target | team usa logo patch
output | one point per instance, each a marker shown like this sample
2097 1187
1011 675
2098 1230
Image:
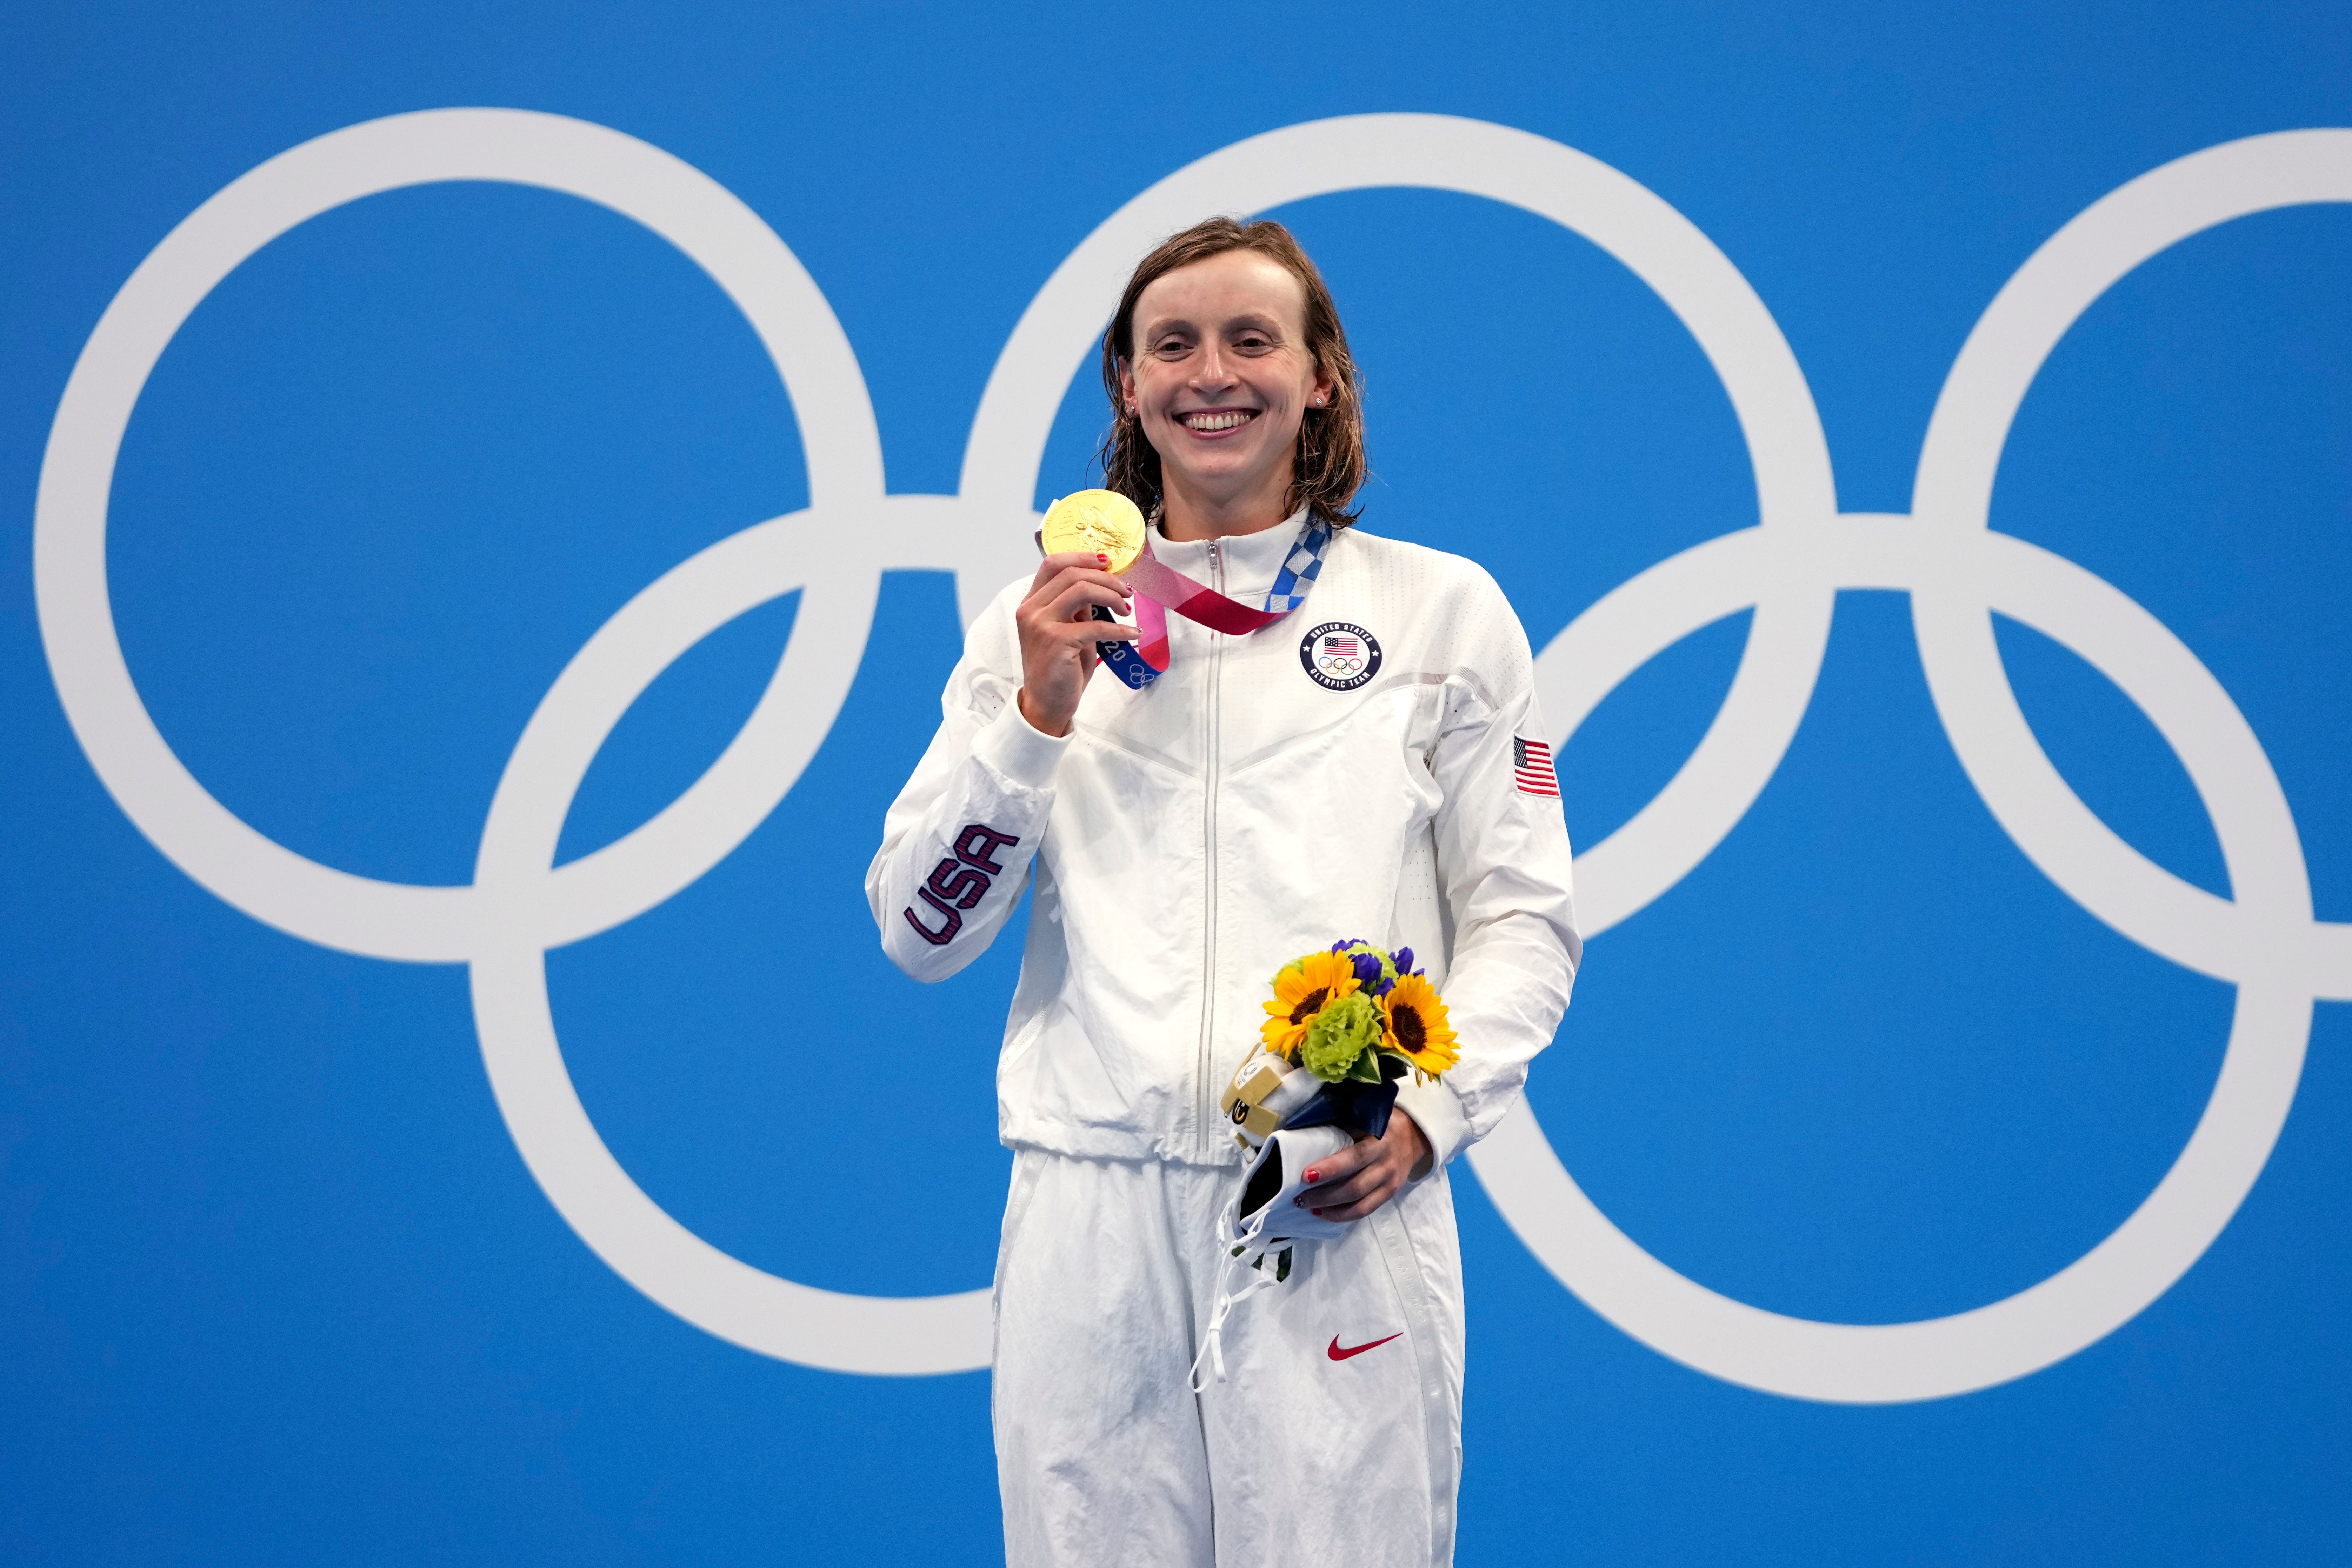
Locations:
1531 768
1339 655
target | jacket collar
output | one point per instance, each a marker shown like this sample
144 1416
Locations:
1252 560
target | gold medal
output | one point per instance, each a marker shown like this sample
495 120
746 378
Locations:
1100 522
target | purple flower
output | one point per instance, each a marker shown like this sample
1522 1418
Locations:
1369 975
1402 959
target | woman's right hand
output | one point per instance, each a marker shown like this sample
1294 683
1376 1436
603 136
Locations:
1058 633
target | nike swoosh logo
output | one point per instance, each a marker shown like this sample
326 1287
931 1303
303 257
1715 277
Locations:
1336 1354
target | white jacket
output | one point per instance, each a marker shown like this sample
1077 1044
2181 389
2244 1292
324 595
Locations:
1187 840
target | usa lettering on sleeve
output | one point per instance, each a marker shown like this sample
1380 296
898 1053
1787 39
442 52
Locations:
960 881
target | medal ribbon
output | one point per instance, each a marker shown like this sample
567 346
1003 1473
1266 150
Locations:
1160 588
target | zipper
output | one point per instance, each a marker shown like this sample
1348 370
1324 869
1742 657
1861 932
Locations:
1213 764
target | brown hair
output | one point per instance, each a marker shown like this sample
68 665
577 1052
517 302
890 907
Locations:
1328 465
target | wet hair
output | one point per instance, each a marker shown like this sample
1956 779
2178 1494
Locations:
1327 466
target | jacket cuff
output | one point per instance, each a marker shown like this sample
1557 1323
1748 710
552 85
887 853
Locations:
1436 1109
1020 751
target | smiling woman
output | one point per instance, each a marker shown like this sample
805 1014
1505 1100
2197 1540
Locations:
1243 359
1260 794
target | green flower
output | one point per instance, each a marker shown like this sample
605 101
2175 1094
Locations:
1341 1040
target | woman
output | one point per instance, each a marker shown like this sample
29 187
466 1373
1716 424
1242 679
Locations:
1360 768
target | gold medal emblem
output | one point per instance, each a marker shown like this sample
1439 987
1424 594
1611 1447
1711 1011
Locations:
1100 523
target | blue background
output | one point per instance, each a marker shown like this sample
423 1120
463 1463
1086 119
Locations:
274 1285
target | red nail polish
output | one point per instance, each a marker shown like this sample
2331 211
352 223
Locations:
1310 1176
1101 557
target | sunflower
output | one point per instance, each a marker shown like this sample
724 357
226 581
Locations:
1302 990
1417 1027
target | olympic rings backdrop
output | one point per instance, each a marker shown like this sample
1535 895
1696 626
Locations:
496 492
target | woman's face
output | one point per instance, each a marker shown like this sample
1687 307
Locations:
1221 378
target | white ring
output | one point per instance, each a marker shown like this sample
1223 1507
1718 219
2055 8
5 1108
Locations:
1665 250
676 201
2098 1292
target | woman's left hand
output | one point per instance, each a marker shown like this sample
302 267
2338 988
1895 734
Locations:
1354 1182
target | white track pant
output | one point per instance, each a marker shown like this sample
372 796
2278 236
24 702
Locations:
1336 1438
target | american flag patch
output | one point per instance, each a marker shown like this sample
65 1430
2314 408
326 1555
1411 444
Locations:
1531 768
1345 647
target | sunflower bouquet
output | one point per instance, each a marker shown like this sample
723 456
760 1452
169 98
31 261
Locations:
1346 1024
